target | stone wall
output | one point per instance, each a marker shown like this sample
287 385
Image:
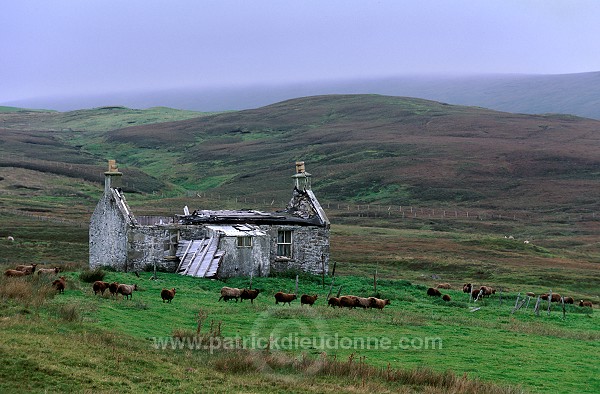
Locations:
310 249
108 235
244 261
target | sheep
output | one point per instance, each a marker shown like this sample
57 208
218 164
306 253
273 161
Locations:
127 290
467 288
249 294
363 302
487 291
446 297
28 269
10 238
586 303
530 294
167 295
60 284
14 273
333 302
349 301
433 292
100 287
113 288
378 303
47 271
554 298
227 293
308 299
443 286
284 297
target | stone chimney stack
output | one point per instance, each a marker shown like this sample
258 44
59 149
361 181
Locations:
112 177
301 177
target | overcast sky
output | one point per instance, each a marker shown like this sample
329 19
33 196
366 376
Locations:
74 47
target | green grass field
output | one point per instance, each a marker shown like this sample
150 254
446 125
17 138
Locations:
544 353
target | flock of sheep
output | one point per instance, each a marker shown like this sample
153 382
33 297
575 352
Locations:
229 293
347 301
486 291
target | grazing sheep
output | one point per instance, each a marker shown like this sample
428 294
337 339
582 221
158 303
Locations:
249 294
467 287
586 303
113 288
530 294
433 292
476 294
167 295
127 290
443 286
487 291
363 302
378 302
14 273
333 302
60 284
10 238
28 269
47 271
446 297
284 297
349 301
100 287
308 299
228 293
569 300
555 297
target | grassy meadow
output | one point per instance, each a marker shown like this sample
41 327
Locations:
78 341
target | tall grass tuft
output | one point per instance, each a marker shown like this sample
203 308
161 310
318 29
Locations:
90 276
30 291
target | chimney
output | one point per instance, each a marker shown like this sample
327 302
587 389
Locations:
301 177
112 177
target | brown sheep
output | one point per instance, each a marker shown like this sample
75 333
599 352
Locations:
349 301
167 295
333 302
249 294
475 294
586 303
363 302
100 287
284 297
28 269
308 299
228 293
433 292
569 300
47 271
487 291
467 288
14 273
60 284
113 288
555 297
443 286
127 290
378 303
446 297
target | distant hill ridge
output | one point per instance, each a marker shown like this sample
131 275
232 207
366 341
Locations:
575 94
359 148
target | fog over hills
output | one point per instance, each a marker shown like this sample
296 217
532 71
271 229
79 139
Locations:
576 94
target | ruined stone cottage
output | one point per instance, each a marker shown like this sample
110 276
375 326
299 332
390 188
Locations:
213 244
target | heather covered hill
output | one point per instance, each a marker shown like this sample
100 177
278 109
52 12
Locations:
372 148
360 148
